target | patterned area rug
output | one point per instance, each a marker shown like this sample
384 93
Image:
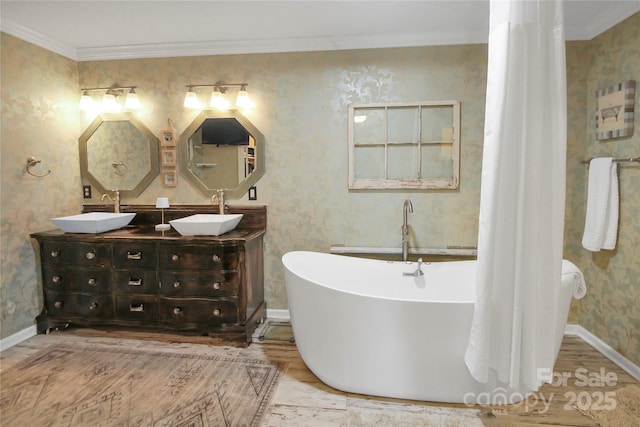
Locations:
112 386
624 410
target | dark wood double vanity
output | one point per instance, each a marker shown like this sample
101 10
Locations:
139 278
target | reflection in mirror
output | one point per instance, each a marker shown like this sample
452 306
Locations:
221 150
118 151
118 165
408 145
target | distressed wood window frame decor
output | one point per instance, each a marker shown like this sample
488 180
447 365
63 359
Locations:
412 145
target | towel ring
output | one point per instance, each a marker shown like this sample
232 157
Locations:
31 162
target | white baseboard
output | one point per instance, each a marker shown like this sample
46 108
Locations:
276 314
18 337
604 348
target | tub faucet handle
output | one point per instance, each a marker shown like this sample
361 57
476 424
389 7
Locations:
418 271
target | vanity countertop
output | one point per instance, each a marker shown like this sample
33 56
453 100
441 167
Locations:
148 232
252 225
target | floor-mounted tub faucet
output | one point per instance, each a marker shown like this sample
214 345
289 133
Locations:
408 207
115 199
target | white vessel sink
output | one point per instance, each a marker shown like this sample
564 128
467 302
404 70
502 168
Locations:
93 222
206 224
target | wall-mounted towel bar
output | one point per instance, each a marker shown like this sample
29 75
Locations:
630 159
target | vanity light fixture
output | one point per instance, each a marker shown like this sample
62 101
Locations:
109 103
243 100
109 99
132 102
218 100
86 101
191 99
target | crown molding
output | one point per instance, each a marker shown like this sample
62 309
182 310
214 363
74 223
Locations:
279 45
38 39
613 15
608 19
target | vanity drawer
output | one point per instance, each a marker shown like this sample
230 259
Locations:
188 284
89 306
77 254
89 280
135 282
58 278
200 257
134 307
207 311
134 255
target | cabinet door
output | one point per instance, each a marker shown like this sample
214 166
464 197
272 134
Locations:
201 311
198 257
197 283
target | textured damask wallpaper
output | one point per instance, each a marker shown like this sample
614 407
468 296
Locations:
611 308
301 108
40 119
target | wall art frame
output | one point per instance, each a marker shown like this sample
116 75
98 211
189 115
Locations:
168 158
169 178
615 110
168 135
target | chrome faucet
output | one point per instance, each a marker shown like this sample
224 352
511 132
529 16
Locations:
115 199
408 207
220 198
418 271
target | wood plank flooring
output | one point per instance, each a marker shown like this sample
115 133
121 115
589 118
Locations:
303 400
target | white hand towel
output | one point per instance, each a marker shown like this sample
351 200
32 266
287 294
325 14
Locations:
571 272
601 223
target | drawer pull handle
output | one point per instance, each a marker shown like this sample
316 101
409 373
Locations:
91 281
216 286
216 258
216 312
56 279
135 282
177 310
174 258
54 254
137 255
176 284
57 304
90 255
138 308
93 306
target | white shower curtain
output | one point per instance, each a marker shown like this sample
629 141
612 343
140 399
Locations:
522 196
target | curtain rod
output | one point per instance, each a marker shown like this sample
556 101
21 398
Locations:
630 159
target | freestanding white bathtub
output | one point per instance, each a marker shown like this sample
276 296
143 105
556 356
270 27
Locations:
363 327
